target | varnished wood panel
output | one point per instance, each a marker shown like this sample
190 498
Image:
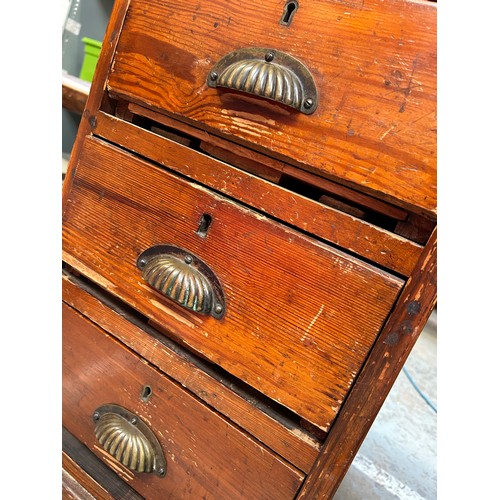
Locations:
77 484
92 473
289 441
301 316
278 166
367 240
206 457
377 377
374 63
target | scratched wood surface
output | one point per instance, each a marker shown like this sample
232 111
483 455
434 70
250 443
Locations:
301 316
98 370
383 365
374 63
362 238
287 439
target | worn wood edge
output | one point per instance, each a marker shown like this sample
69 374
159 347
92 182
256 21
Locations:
422 205
73 490
183 326
424 2
370 242
278 158
294 445
376 378
364 200
96 93
75 93
242 162
316 180
102 346
96 470
79 484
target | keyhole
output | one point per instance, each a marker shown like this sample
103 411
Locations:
205 222
290 9
146 393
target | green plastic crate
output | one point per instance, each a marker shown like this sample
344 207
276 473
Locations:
92 50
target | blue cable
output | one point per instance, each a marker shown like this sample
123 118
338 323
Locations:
415 386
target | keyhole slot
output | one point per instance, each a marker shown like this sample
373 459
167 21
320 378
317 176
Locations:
146 393
205 222
288 12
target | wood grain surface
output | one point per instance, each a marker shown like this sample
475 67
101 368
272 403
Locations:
206 456
383 365
286 439
314 328
301 316
78 485
374 63
355 235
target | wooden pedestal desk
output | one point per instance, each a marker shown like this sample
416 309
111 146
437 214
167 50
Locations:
249 243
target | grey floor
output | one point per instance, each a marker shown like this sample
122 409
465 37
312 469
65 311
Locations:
398 457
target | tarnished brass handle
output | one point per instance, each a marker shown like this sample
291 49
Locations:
184 278
129 440
267 73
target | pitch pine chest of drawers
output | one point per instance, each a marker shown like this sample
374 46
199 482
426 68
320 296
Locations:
249 243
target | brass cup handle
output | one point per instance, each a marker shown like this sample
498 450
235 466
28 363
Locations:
184 278
267 73
129 440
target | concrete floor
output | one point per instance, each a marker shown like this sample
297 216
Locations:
398 460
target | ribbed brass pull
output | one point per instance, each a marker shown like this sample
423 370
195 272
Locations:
267 73
184 278
129 440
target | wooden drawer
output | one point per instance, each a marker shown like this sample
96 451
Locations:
205 456
300 316
373 65
219 390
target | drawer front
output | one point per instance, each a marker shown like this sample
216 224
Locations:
299 318
205 456
373 70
